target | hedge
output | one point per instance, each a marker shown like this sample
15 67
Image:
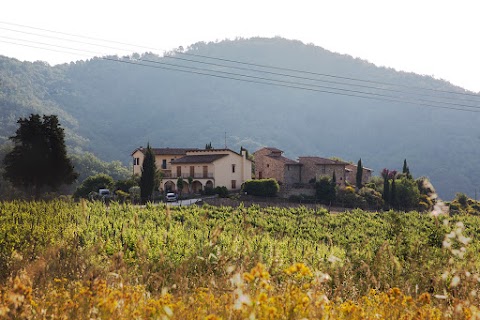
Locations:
261 187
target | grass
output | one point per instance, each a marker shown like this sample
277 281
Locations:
83 260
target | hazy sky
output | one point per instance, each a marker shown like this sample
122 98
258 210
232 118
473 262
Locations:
437 38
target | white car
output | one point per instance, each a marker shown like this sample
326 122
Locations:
171 197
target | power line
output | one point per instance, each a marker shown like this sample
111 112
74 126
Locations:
247 63
264 82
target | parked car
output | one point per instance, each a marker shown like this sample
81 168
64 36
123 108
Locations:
171 197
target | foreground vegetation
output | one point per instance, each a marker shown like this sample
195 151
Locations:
62 259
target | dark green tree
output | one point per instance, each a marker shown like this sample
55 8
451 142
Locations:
180 185
334 179
393 194
406 169
190 182
147 180
386 186
407 194
39 157
208 146
325 190
358 180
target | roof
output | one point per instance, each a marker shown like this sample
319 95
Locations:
285 160
274 149
202 158
166 151
320 161
354 166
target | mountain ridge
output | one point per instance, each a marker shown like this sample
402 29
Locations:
110 108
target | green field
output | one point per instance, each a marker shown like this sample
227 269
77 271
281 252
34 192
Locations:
184 250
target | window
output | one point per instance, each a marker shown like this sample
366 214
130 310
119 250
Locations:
233 168
323 169
234 184
268 166
136 161
164 164
179 172
192 171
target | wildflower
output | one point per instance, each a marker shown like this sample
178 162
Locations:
455 281
242 299
424 298
168 311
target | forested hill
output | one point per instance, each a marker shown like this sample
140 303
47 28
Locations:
110 108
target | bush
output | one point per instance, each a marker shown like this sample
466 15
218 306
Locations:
462 199
221 191
350 200
372 197
261 187
325 189
92 184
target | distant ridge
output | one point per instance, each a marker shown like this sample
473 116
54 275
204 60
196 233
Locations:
110 108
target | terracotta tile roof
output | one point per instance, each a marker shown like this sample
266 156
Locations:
175 151
285 160
202 158
354 167
166 151
272 149
319 160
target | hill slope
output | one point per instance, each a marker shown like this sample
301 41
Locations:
110 108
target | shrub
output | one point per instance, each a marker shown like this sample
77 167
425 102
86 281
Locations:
372 197
221 191
92 184
350 200
261 187
462 199
325 189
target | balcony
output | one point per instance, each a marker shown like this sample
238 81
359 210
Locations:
173 175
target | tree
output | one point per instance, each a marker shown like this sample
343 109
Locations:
406 169
147 180
407 195
325 190
92 184
190 182
39 157
180 185
386 185
208 146
358 180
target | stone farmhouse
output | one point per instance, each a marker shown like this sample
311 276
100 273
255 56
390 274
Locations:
207 168
270 163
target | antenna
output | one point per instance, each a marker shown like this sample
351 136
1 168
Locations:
225 139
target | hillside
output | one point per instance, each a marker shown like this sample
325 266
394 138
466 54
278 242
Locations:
110 108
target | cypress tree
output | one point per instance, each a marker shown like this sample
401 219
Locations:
386 186
147 180
406 169
358 180
393 195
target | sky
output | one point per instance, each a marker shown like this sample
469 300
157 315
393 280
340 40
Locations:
436 38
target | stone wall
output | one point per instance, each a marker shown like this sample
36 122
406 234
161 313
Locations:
293 174
268 167
312 170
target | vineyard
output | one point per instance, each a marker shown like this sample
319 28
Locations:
67 260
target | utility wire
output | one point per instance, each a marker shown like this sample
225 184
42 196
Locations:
247 63
265 79
293 85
